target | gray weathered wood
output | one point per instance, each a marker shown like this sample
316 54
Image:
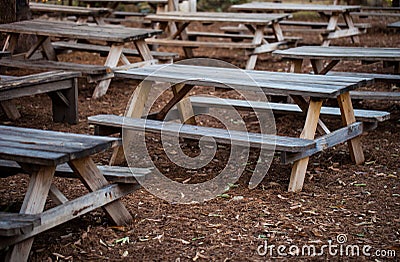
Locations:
340 52
55 65
114 174
12 224
103 50
279 108
49 147
269 82
271 142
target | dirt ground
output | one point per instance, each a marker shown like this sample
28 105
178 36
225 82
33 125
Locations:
341 206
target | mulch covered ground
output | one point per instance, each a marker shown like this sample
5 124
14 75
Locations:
356 205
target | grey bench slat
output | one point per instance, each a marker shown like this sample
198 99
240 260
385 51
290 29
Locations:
124 14
269 82
338 52
13 224
195 44
321 24
279 143
278 108
115 174
54 65
105 49
227 35
378 77
4 54
366 14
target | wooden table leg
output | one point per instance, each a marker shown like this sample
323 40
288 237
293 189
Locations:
347 112
332 26
295 67
92 177
300 166
135 110
184 106
144 50
34 201
257 39
350 23
112 61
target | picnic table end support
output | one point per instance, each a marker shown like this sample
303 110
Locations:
347 112
299 168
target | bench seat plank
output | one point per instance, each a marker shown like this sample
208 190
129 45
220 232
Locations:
338 52
114 174
279 108
103 50
269 82
279 143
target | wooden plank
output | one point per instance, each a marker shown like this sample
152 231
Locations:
105 49
196 44
269 82
114 174
336 52
286 144
53 65
378 77
327 141
282 109
34 201
293 7
94 180
12 224
49 147
10 109
346 108
300 166
79 31
112 61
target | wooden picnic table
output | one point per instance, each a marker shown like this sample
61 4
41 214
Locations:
39 153
334 54
82 13
113 36
176 25
300 87
331 13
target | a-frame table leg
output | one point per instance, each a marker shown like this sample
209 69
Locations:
34 201
300 166
347 112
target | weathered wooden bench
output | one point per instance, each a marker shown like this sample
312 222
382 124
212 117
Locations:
166 57
193 35
62 88
291 25
114 174
201 104
293 150
14 224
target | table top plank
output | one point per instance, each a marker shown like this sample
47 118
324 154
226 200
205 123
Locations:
394 25
79 31
41 78
291 7
49 147
63 9
269 82
336 52
218 17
